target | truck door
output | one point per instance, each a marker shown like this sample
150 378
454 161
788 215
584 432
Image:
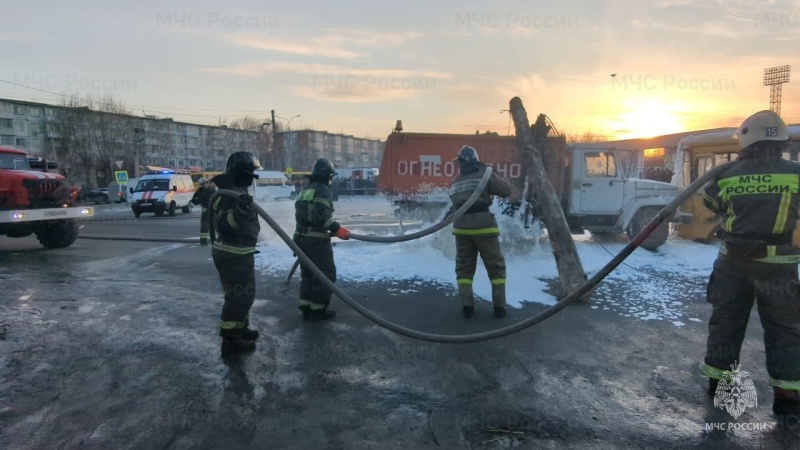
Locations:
597 183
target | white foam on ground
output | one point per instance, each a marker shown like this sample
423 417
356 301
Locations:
649 286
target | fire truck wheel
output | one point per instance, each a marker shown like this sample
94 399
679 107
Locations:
640 221
171 210
58 234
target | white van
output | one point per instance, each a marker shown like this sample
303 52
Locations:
162 192
272 185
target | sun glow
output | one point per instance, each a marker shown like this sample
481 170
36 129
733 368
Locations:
645 119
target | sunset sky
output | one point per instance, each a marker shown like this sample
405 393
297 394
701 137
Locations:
355 67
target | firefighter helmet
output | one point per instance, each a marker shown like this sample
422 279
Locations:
467 155
323 169
202 181
762 126
243 163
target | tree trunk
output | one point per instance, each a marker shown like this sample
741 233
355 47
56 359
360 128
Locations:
570 270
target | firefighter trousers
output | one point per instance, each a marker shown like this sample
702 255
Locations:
204 226
467 250
735 284
320 251
237 274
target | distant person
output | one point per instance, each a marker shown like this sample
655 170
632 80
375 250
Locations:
201 197
313 231
234 251
477 232
758 201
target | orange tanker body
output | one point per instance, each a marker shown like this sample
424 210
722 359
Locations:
417 168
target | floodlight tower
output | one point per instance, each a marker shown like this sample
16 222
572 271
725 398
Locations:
774 77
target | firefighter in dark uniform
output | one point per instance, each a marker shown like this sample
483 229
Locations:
758 201
201 197
235 223
313 231
477 232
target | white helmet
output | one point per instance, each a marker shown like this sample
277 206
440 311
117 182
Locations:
761 126
202 181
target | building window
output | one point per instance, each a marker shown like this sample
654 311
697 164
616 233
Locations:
50 112
35 112
6 123
6 139
6 107
19 125
22 142
19 110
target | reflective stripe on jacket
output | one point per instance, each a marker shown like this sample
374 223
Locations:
313 213
481 222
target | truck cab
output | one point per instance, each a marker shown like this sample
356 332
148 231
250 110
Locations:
603 199
36 201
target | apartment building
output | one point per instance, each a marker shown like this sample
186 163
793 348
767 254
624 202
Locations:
33 127
299 149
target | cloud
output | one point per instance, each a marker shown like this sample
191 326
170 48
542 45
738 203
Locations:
345 84
284 46
264 68
332 43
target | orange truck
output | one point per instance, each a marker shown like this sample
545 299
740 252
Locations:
591 180
417 168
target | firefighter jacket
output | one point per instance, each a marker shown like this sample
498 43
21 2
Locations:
758 202
477 221
237 227
313 213
203 195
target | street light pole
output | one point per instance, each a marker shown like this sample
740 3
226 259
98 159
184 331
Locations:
285 160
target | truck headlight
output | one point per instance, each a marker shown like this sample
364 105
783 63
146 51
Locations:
86 211
17 215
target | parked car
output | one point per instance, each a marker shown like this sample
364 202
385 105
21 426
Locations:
99 195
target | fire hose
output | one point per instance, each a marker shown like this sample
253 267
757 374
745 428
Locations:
418 234
667 211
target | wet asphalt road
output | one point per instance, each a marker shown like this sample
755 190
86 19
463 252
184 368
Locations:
112 344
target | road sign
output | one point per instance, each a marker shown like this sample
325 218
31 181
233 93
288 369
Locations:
119 164
121 176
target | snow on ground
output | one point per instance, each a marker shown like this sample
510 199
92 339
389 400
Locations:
647 286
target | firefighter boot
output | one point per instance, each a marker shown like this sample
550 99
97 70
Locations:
499 300
305 307
467 299
247 333
786 401
203 242
320 312
233 342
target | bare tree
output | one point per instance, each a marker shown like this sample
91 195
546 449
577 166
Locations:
92 134
265 143
587 137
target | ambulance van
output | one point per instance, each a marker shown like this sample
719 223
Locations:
162 192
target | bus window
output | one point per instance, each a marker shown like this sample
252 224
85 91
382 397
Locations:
702 164
722 158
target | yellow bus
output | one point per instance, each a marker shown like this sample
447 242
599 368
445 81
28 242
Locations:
696 155
197 175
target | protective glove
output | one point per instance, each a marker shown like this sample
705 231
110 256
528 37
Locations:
343 233
244 201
